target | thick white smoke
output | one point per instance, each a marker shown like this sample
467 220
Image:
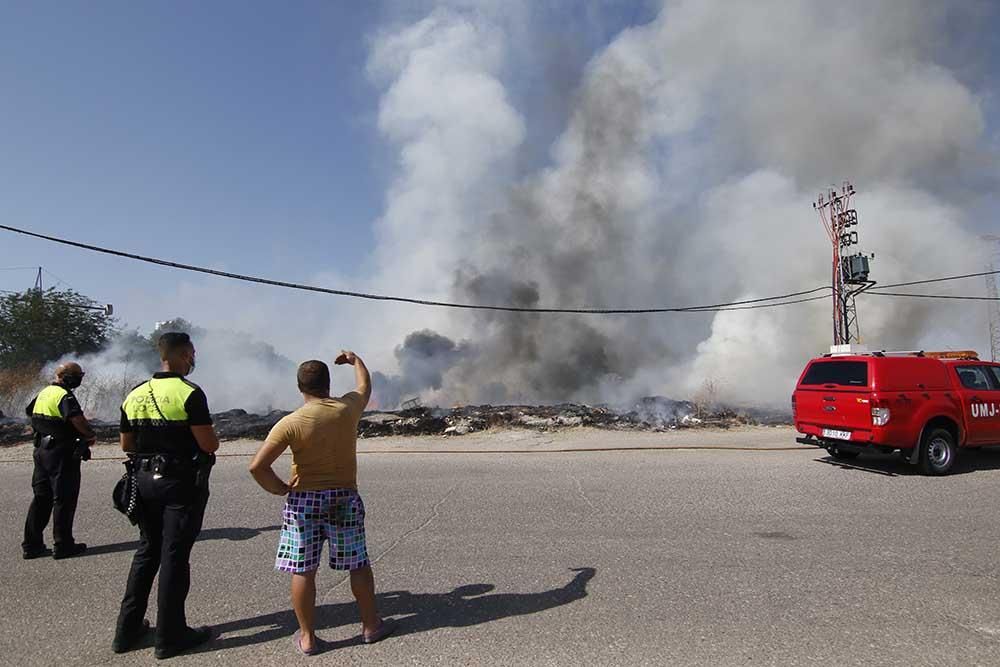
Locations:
235 371
685 175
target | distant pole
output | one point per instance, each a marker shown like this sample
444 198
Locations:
993 291
850 271
38 281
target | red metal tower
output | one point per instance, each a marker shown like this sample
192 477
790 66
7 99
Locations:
850 271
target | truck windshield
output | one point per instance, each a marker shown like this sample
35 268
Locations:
847 373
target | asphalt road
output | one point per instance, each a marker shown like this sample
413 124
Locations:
592 558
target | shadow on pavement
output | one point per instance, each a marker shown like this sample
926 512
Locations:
892 465
414 612
231 534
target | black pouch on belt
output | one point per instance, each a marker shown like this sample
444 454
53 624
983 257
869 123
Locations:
203 469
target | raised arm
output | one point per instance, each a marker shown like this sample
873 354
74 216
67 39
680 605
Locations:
362 378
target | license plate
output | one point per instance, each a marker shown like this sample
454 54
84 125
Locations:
836 435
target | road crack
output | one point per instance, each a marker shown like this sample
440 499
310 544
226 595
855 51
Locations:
580 492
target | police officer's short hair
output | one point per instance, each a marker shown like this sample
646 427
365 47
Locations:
173 342
314 378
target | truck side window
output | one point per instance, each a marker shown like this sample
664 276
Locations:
996 377
974 377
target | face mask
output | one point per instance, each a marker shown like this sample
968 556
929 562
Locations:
191 370
72 381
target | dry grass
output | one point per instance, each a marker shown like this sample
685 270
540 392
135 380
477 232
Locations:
17 387
706 400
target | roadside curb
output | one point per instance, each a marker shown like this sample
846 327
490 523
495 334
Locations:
575 450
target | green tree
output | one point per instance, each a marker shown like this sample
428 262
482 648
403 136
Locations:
38 327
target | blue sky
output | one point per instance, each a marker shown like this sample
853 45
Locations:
210 132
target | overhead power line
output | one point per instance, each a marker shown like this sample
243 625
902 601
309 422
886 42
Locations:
935 296
746 304
770 301
879 288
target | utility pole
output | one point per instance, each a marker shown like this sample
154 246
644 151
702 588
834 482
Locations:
992 291
850 270
108 309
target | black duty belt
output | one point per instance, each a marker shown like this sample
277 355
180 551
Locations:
52 442
164 464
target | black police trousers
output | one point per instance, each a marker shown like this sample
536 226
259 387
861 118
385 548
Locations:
170 519
56 486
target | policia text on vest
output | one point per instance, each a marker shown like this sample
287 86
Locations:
62 439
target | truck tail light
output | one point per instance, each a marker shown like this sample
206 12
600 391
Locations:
793 407
880 416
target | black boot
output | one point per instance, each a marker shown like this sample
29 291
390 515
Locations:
29 553
127 640
192 637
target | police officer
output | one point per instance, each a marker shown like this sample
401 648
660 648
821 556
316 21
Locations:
167 431
62 438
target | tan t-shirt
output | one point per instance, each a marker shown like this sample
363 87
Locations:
323 438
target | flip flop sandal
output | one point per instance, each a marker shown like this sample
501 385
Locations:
387 627
297 638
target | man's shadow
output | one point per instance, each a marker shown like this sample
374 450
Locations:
415 612
231 534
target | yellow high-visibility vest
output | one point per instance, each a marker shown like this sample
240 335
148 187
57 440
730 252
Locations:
47 402
170 396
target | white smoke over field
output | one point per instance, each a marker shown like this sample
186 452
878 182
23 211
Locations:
235 371
684 175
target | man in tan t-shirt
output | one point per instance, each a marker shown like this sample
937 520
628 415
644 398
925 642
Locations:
323 503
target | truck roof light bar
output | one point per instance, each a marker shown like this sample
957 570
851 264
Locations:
963 355
967 355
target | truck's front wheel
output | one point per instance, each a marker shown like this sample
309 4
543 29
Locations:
937 451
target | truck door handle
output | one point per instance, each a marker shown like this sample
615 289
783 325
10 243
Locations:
830 399
975 398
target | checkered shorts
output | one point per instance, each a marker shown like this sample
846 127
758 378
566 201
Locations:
313 517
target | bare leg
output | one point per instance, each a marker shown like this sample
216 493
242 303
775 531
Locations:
304 604
363 587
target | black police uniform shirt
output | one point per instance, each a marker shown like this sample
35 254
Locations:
172 436
58 428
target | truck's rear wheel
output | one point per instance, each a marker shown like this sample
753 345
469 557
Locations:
937 451
842 454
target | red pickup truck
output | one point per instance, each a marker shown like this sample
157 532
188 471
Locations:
926 405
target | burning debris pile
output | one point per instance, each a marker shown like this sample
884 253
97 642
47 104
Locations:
649 414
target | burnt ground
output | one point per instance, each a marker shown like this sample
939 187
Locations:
649 414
